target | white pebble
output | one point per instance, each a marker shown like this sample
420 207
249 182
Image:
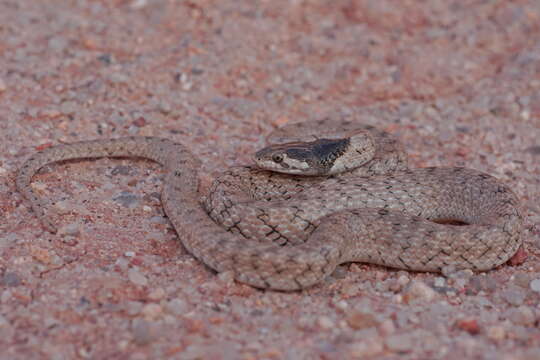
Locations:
325 322
138 4
226 277
496 333
535 285
403 280
514 296
387 327
152 311
136 277
72 229
418 290
177 306
366 348
439 281
157 294
522 315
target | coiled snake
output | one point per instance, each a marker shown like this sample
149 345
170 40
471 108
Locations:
287 232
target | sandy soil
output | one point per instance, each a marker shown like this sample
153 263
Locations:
457 81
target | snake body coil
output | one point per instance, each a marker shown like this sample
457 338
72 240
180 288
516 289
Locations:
287 232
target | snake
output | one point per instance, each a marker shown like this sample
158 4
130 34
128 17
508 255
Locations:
322 193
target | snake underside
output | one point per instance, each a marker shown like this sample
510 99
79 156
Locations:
285 232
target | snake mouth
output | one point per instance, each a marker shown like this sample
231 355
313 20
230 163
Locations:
455 222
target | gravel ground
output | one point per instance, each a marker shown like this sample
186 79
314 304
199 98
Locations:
458 81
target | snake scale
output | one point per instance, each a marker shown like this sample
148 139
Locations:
287 232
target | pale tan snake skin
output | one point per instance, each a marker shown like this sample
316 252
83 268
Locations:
289 233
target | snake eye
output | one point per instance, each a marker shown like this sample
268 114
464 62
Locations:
277 158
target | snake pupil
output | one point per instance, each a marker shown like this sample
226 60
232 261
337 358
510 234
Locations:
277 158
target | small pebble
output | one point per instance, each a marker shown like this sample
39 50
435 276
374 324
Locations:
157 294
305 322
366 348
123 170
403 280
68 107
133 307
84 353
439 282
58 43
5 296
464 274
496 333
72 229
522 279
129 254
3 86
342 305
535 285
361 320
399 343
514 296
122 263
164 108
387 327
63 206
531 354
10 279
226 277
460 283
350 290
448 270
32 112
126 199
325 322
9 239
39 186
152 311
522 315
483 283
140 122
470 325
141 332
138 4
535 149
394 285
119 78
519 333
138 356
339 273
417 290
50 113
136 277
177 306
159 220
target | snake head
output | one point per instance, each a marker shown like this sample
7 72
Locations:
302 158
